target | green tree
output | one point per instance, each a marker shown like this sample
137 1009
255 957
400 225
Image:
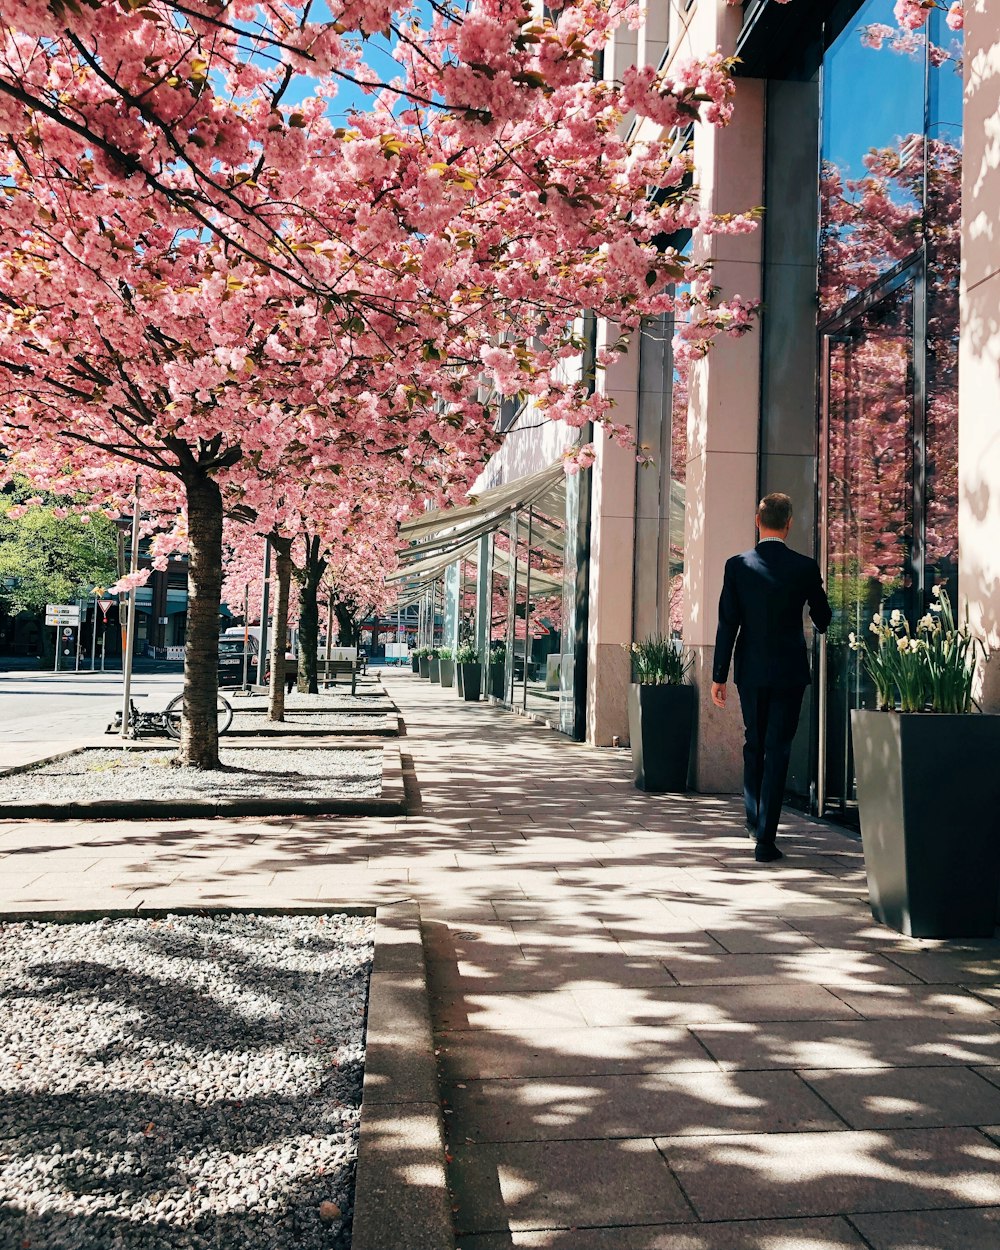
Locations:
49 555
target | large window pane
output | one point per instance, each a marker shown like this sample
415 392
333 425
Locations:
545 620
873 154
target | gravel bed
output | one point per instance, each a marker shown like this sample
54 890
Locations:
181 1084
312 720
266 773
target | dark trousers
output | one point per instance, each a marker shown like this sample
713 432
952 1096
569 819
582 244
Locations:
770 717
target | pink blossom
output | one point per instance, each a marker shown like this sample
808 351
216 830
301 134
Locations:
956 16
131 581
912 14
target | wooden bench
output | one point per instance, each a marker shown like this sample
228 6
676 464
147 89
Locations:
327 672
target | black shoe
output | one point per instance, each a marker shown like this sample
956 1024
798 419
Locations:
766 852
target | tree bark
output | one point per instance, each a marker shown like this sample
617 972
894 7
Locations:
348 632
200 728
310 576
282 548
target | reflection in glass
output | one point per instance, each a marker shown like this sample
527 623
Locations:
869 502
546 563
944 215
872 156
891 214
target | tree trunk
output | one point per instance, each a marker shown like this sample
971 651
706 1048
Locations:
282 548
347 624
310 577
200 728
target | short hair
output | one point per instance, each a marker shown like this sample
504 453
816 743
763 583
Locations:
774 511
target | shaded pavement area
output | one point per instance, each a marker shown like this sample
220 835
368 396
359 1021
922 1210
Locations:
646 1039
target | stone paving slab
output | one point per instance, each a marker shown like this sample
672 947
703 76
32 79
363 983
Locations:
907 1097
824 1234
891 1043
932 1230
712 1004
541 1184
481 1054
647 1105
776 1175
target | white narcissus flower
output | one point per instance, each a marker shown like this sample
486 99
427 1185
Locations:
877 618
902 643
896 616
936 592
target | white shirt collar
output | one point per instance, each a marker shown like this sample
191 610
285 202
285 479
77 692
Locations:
769 539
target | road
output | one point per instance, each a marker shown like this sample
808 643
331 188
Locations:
41 707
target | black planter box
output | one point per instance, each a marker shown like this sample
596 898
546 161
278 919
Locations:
929 798
498 680
434 668
470 681
661 726
447 668
415 661
424 668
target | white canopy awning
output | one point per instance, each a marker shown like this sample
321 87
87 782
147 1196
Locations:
439 538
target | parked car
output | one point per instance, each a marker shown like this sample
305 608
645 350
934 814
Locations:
231 658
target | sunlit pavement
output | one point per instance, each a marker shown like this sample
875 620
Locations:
647 1040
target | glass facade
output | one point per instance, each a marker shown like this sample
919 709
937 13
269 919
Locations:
890 204
859 382
532 612
661 483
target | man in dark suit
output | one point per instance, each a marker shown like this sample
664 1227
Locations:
760 614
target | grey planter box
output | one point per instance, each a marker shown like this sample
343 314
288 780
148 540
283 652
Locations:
424 666
470 681
929 798
447 668
435 668
415 661
661 726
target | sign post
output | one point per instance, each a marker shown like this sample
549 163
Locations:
130 629
63 616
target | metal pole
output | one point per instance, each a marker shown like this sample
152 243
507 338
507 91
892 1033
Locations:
527 609
130 628
58 646
262 653
79 633
329 626
246 637
93 644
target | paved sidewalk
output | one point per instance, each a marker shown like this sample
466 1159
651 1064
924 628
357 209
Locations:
647 1040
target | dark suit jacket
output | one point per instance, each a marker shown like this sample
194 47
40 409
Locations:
760 613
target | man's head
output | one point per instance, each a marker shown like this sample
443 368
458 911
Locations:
774 515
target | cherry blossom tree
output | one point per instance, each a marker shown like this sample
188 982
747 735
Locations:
206 283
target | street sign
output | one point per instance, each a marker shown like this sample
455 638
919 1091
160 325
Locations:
105 605
62 614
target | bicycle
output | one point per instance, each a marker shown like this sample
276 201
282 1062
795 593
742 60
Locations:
168 720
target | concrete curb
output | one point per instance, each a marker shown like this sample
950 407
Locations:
391 802
401 1194
401 1198
305 731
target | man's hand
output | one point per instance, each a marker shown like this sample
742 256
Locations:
719 693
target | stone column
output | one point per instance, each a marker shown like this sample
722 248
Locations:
723 416
611 542
979 345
